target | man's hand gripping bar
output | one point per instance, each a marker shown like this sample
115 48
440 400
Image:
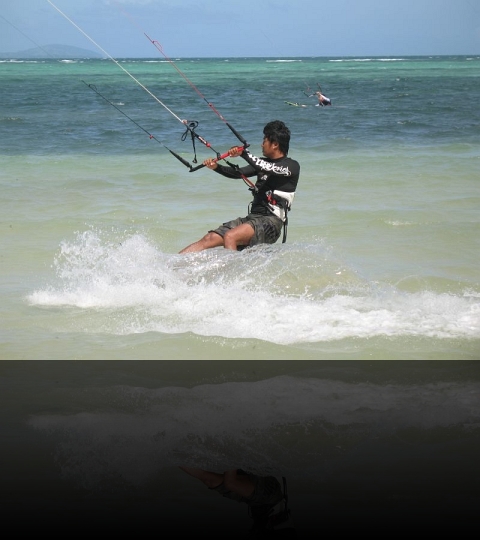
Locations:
226 154
218 158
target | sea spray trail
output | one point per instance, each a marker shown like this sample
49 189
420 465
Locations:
290 294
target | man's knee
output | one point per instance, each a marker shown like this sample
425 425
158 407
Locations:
241 234
229 234
211 239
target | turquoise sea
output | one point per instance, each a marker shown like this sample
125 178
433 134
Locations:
362 331
381 258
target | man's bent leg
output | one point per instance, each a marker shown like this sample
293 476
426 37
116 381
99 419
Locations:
238 236
210 240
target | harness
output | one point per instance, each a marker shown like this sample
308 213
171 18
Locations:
279 203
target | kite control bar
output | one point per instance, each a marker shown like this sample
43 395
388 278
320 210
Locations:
226 154
218 158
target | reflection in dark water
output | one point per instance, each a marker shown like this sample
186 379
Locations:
95 447
265 496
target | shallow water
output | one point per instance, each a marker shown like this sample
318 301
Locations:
381 258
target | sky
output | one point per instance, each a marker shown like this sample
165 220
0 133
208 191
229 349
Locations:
244 28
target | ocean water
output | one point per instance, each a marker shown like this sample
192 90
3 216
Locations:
362 331
381 258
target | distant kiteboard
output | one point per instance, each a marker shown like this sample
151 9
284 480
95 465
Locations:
295 104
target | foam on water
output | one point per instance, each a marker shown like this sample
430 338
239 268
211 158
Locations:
284 294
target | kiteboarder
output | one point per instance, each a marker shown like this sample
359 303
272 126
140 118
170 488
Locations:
273 193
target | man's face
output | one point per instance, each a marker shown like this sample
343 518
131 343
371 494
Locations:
268 147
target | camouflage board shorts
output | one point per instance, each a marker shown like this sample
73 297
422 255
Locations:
267 228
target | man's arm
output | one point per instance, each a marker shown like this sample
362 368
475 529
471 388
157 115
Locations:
234 172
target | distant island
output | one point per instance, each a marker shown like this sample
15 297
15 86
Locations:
62 52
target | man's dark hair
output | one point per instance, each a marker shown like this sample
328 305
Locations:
277 131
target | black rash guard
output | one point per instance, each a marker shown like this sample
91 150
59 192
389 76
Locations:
280 174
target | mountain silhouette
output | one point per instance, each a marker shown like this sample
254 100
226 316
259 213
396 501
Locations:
52 51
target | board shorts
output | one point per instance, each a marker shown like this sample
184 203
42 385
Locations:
268 491
267 228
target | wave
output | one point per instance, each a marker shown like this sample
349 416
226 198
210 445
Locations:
283 294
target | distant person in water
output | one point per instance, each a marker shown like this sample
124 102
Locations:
323 100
